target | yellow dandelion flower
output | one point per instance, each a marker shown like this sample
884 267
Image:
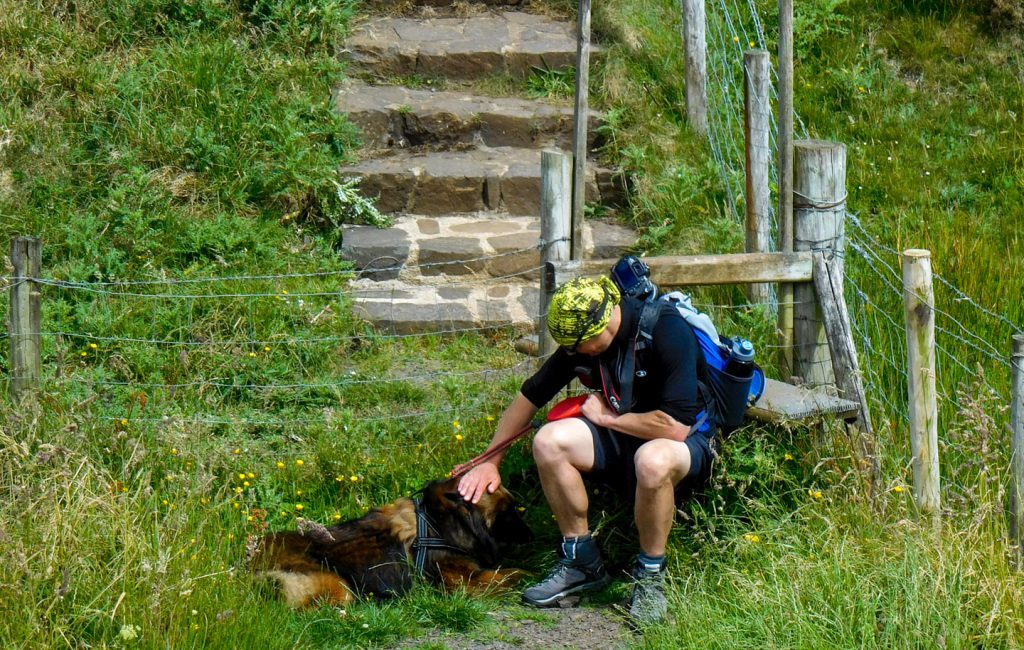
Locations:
298 493
266 348
284 291
521 509
339 478
246 484
280 465
238 490
456 424
252 354
817 494
458 437
124 422
353 478
204 500
85 354
236 451
298 506
752 538
236 505
241 476
93 346
300 462
753 44
250 518
735 39
898 489
490 418
788 457
337 516
164 502
251 474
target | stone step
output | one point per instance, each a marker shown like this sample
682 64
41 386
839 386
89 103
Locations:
430 250
394 116
499 43
438 183
396 307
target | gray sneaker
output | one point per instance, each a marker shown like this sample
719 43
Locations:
564 579
647 604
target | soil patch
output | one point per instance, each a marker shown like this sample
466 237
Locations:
578 628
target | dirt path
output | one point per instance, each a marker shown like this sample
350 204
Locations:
577 628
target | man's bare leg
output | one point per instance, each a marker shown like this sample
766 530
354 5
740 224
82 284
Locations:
563 450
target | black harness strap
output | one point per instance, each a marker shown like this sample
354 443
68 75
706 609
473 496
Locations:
643 339
426 538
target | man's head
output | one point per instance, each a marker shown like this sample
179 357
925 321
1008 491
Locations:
581 311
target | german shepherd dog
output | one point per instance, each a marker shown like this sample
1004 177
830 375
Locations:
447 540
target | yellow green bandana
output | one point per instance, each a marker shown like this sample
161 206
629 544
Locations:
580 310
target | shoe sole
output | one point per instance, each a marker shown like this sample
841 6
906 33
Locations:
553 600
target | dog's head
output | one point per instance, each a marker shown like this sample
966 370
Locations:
481 529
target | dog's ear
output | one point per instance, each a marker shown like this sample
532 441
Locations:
485 546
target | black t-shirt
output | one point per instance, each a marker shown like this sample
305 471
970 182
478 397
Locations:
665 376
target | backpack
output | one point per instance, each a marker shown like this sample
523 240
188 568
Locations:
730 395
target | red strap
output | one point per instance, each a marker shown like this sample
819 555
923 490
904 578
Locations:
459 470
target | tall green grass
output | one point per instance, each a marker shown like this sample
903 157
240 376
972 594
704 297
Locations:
189 140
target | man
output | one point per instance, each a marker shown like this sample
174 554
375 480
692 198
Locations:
651 447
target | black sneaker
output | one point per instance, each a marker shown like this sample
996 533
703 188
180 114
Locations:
648 604
565 578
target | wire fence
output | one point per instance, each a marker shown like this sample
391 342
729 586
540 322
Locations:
206 335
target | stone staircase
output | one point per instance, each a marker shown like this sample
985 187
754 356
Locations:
460 172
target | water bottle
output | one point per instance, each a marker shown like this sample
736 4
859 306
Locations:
741 358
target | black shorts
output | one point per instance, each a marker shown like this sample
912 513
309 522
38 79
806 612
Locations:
614 466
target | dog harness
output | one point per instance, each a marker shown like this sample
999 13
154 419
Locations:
426 538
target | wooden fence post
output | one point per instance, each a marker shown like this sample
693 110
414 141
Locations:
828 282
785 178
819 207
556 207
695 47
919 311
579 134
25 316
756 131
1017 424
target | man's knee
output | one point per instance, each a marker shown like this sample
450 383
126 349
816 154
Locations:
661 462
559 441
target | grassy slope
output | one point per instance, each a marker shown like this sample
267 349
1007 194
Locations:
152 139
929 106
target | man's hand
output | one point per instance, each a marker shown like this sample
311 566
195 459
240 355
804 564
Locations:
484 476
597 410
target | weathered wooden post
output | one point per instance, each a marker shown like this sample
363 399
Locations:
1017 424
819 214
25 316
695 47
828 282
555 209
579 134
785 163
919 311
757 131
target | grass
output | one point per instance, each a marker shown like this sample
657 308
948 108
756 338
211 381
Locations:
187 141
